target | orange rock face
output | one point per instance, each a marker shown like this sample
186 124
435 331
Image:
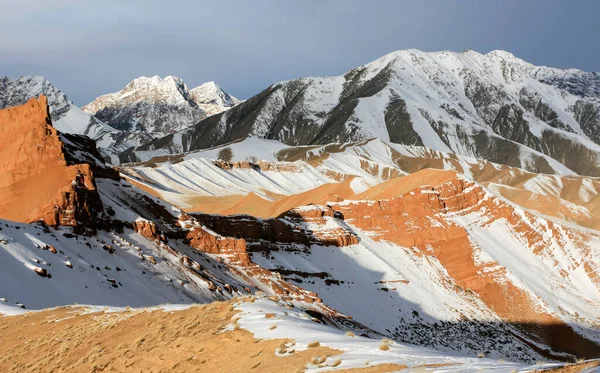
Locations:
38 182
146 228
411 213
291 227
208 243
325 236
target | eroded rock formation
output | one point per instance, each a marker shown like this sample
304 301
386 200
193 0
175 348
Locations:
212 244
258 166
434 215
40 180
296 226
146 228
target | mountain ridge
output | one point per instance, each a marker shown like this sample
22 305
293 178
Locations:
69 118
493 106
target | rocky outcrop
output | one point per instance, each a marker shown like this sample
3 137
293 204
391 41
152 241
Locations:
40 179
206 242
146 228
233 252
258 166
338 235
587 114
304 226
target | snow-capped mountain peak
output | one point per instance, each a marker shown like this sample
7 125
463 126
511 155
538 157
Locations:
212 99
156 104
150 104
170 89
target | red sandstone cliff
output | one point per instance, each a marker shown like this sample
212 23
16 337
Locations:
40 181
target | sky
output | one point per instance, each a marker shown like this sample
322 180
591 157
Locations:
91 47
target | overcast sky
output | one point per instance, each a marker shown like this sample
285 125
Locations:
88 48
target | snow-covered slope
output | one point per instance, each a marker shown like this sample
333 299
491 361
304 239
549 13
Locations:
83 272
359 351
203 177
159 105
490 106
96 238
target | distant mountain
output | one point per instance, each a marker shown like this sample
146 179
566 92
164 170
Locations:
492 106
159 105
68 117
212 99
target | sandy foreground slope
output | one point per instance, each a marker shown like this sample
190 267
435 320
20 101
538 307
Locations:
70 339
240 335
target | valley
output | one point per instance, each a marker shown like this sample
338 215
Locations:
425 212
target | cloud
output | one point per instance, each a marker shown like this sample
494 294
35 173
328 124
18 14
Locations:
88 48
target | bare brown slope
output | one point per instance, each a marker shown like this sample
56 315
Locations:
69 340
319 195
213 204
257 206
253 204
37 178
400 185
249 204
551 205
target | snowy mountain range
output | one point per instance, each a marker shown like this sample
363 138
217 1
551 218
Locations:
435 261
113 138
491 106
